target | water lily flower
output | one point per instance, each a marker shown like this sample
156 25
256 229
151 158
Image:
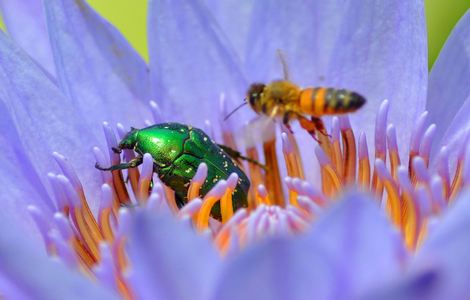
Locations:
71 86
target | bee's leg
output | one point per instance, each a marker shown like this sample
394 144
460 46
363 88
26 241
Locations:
319 125
286 118
309 126
131 164
237 155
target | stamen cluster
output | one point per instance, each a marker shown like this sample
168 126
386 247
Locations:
411 195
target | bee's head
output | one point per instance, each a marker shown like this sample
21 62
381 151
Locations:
254 94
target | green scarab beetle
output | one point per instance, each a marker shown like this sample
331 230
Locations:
177 151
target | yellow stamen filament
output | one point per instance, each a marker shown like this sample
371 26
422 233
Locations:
332 178
394 163
143 190
88 238
293 198
171 199
256 177
411 171
226 206
194 189
409 220
83 254
262 198
121 254
202 221
295 159
90 220
457 181
349 155
120 187
133 175
364 172
105 224
393 202
291 165
124 290
325 144
377 185
337 158
273 180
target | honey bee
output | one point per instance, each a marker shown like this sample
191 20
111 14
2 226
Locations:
284 100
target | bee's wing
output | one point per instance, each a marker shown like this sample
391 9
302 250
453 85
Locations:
256 131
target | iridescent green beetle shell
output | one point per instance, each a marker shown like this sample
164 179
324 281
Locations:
177 151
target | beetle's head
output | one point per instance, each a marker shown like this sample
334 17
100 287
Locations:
254 94
129 140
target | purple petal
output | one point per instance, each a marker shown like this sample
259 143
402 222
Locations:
25 22
455 135
17 193
96 66
305 32
449 81
278 269
168 260
17 169
447 249
38 120
381 52
191 62
234 19
349 234
419 284
377 48
33 275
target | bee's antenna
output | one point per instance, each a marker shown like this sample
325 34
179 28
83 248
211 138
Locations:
233 111
285 69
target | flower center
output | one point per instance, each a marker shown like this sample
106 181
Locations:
411 195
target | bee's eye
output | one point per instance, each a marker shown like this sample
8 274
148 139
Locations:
253 98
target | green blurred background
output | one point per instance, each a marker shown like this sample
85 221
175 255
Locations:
130 18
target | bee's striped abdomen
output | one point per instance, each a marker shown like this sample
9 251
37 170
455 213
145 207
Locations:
329 101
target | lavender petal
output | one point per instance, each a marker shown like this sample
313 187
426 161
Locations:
446 249
278 269
96 67
169 260
349 233
38 120
381 52
191 62
25 22
35 276
449 80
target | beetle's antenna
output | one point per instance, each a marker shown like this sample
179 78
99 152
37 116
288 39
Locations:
233 111
282 59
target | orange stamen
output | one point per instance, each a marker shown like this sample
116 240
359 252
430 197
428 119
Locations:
349 155
457 181
256 177
105 224
226 206
273 181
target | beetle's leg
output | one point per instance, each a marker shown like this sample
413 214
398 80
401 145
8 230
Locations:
116 150
131 164
237 155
